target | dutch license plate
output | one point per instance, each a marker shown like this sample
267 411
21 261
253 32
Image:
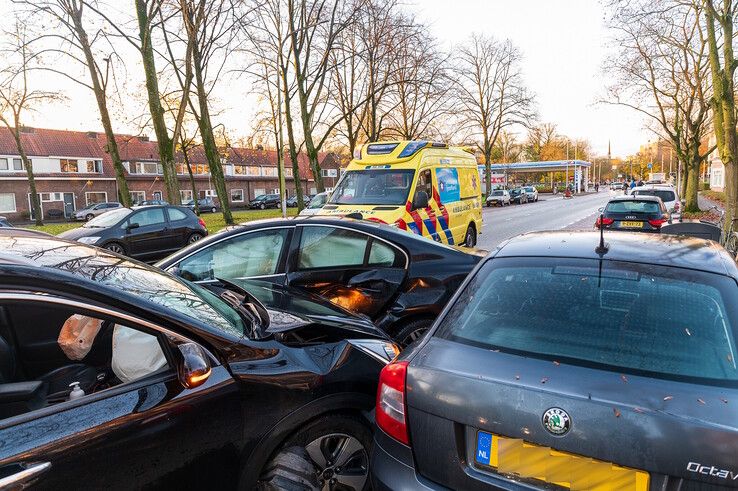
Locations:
631 224
517 457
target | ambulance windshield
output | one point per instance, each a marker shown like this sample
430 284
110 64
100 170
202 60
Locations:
373 187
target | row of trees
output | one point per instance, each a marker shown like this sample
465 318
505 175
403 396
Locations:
329 74
676 66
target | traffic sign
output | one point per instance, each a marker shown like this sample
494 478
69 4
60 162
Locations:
650 166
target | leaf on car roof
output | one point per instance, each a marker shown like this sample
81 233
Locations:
668 398
616 412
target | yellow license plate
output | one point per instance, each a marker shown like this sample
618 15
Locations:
632 224
517 457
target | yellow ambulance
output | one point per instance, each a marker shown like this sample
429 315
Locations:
427 188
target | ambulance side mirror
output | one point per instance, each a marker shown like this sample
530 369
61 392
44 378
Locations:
420 200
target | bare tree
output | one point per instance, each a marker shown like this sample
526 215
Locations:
17 96
661 71
65 34
491 92
722 69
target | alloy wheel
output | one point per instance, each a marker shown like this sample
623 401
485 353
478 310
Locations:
341 461
194 238
116 248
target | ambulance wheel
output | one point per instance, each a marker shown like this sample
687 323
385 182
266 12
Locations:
470 239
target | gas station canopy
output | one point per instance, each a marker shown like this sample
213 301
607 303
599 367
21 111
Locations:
551 166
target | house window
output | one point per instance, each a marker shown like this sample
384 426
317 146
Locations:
288 172
185 195
201 169
716 178
258 192
7 202
51 197
92 166
69 165
313 191
95 197
269 171
18 164
275 191
239 170
210 193
237 195
252 170
329 172
3 164
138 197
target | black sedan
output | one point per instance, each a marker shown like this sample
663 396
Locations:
265 201
634 214
518 196
147 232
564 364
398 279
116 375
203 204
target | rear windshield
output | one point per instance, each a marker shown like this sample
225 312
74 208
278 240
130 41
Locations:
496 193
664 194
625 317
633 207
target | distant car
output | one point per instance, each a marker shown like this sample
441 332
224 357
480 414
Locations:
617 186
499 197
559 365
146 232
95 209
265 201
667 194
315 204
400 280
292 201
204 204
518 196
531 192
634 214
4 223
153 202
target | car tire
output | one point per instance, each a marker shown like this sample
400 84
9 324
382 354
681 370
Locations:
262 206
304 460
89 217
116 247
194 238
470 237
213 210
412 331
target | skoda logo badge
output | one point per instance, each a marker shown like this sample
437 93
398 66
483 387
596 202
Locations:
556 421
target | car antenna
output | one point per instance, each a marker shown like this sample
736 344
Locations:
602 248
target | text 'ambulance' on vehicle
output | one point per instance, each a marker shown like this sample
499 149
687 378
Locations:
423 187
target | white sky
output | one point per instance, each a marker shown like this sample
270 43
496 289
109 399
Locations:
564 43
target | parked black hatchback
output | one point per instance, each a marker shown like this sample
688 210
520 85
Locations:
265 201
634 214
174 386
147 232
398 279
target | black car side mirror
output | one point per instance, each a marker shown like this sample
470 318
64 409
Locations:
194 367
420 200
133 225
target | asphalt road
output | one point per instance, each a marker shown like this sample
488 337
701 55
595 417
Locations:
549 213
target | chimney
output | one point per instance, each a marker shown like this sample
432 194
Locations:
26 129
143 138
260 147
92 134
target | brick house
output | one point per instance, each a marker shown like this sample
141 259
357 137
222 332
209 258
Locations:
72 170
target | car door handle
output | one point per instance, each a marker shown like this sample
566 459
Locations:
26 475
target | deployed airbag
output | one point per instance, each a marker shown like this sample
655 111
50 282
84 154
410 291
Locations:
77 335
135 354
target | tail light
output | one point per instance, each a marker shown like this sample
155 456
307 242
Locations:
603 221
391 412
657 223
201 222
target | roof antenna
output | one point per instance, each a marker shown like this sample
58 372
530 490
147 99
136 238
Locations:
602 248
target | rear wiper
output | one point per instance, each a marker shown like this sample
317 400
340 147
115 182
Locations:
248 308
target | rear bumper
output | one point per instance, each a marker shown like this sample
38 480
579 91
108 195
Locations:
389 474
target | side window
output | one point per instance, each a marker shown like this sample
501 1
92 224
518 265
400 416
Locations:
425 183
328 247
382 254
176 215
153 216
254 254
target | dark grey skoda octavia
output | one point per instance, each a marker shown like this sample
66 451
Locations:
559 364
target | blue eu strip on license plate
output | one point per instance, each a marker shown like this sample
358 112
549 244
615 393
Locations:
484 448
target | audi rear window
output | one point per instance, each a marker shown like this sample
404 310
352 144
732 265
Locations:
625 317
665 195
632 207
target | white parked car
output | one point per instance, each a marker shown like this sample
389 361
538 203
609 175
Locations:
315 204
499 197
91 211
667 194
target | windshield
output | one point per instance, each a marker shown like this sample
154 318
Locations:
318 201
109 218
515 192
656 320
496 193
664 194
373 187
633 207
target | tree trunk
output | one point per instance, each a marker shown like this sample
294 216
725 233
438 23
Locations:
164 142
35 202
124 196
684 179
291 140
693 181
192 179
208 139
